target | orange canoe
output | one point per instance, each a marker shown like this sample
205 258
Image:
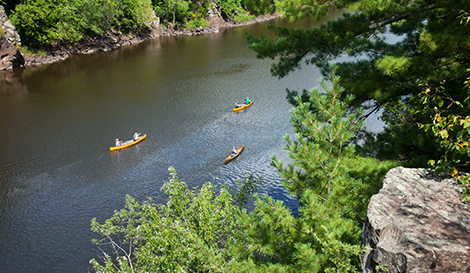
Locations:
232 156
128 143
243 107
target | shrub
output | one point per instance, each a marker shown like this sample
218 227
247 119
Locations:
196 23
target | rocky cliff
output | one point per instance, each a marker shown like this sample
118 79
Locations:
10 41
417 223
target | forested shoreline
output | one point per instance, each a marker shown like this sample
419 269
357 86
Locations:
52 31
420 83
46 24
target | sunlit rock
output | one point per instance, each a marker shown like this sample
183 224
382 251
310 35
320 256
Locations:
10 56
417 223
9 29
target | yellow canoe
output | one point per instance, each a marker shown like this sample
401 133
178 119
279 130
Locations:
243 107
232 156
128 143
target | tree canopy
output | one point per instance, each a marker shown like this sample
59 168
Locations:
397 48
42 23
45 22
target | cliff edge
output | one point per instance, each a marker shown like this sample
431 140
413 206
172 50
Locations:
418 222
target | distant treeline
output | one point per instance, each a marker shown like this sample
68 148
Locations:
54 22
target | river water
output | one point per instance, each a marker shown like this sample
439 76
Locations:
57 123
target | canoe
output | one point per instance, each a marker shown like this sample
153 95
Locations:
243 107
128 143
231 157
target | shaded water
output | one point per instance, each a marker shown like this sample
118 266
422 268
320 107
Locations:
58 122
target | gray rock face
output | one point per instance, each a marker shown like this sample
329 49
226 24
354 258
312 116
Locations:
417 223
10 56
8 28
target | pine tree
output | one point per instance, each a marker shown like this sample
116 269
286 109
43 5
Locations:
323 138
430 48
325 235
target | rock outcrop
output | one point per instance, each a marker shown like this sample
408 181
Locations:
417 223
10 56
9 29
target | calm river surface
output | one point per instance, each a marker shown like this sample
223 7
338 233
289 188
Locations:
58 122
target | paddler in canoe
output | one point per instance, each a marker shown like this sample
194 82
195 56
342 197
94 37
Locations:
136 138
233 154
241 106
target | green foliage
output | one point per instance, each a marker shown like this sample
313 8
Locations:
246 188
363 177
45 22
176 8
402 139
36 22
230 8
196 23
42 23
431 47
243 17
389 65
450 125
325 236
294 9
322 139
190 232
191 14
133 14
259 7
319 240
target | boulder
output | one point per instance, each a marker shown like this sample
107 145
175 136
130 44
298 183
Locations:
418 222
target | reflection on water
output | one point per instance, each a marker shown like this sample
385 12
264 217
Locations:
11 86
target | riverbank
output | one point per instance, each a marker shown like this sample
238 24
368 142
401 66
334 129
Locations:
115 39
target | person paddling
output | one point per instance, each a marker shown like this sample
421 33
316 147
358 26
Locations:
247 100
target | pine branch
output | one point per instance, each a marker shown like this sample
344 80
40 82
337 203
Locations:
427 7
